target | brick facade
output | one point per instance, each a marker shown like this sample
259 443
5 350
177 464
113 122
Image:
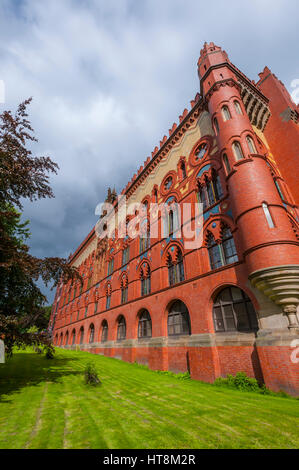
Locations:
235 298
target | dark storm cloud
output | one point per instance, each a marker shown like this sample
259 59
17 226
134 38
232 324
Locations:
108 80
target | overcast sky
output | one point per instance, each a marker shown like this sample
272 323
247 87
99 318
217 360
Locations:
109 78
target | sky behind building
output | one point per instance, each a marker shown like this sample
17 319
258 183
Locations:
108 80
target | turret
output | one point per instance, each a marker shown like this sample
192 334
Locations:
264 230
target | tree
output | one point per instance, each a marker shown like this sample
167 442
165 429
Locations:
22 175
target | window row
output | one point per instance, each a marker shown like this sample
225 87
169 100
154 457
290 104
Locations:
232 311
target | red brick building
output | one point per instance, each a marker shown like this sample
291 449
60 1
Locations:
232 303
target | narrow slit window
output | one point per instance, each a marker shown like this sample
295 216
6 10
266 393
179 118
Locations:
268 215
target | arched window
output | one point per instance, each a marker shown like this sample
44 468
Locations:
226 163
144 241
201 151
110 266
145 277
125 255
104 336
66 338
96 304
108 295
226 113
238 150
238 107
61 339
178 322
144 325
121 328
124 289
211 191
250 144
91 333
233 311
224 252
81 335
73 337
216 126
175 267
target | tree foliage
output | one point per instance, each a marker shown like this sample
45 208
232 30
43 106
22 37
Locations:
23 176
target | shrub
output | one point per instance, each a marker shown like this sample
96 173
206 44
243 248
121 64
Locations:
50 351
240 381
90 374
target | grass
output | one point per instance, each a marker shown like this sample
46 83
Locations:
46 404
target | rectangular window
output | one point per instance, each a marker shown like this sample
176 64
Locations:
110 266
125 256
108 299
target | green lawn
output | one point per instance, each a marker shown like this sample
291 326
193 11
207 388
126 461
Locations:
45 404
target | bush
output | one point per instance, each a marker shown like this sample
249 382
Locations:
90 374
240 381
50 352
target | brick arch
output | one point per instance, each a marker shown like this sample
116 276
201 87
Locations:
221 222
173 243
137 318
214 294
168 308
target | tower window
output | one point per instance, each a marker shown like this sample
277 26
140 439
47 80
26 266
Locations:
216 126
238 107
238 150
268 215
226 163
250 144
226 113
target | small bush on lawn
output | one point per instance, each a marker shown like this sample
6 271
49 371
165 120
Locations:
90 374
240 381
50 352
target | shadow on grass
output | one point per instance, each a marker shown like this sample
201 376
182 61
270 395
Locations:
30 369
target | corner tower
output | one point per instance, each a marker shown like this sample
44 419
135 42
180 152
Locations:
268 243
